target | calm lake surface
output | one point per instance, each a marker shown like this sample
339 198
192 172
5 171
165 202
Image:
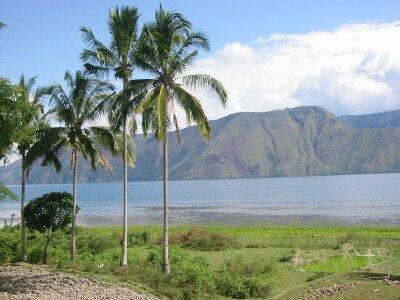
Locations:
347 199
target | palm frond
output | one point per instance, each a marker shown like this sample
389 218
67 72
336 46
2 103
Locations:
97 70
206 83
104 136
193 109
51 141
122 25
149 120
5 193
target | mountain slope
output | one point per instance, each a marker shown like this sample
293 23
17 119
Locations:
377 120
291 142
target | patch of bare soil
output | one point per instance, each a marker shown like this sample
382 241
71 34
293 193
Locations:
328 291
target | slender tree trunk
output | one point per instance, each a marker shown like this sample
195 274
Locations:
23 230
73 228
46 248
124 256
166 267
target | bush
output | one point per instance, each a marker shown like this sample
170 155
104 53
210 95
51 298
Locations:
176 256
95 242
9 246
285 258
194 276
239 279
35 255
139 238
60 257
202 240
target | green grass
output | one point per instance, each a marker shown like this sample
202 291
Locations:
219 262
343 264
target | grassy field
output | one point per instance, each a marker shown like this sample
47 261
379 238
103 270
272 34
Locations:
219 262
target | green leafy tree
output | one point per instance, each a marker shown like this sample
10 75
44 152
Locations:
47 214
119 58
169 47
32 121
12 114
75 109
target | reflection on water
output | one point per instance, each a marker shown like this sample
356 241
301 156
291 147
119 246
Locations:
352 199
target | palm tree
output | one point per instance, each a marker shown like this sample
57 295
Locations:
32 121
169 47
5 193
2 25
119 58
74 110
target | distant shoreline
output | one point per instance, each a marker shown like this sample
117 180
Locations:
234 219
207 179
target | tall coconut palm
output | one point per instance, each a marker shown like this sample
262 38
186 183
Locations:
169 47
75 109
32 121
118 57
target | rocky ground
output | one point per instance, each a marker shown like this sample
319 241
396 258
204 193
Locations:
18 282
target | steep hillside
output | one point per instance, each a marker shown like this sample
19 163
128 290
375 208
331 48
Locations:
291 142
377 120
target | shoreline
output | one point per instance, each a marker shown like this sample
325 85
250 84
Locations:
233 220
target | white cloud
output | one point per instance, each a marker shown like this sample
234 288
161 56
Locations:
352 69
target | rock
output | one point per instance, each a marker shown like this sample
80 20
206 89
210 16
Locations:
18 282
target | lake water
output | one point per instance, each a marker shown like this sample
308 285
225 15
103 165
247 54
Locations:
347 199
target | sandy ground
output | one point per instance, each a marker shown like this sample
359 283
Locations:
18 282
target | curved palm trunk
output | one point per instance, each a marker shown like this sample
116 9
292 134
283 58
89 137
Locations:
124 256
73 228
166 266
23 230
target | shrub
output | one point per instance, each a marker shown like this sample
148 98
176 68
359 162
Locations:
191 275
176 256
139 238
95 242
60 257
9 246
202 240
285 258
194 276
35 255
239 279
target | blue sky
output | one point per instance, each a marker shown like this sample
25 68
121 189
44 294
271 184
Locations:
42 38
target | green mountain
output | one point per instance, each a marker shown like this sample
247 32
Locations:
377 120
292 142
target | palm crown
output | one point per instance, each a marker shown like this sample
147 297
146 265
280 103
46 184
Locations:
75 109
168 47
33 118
119 56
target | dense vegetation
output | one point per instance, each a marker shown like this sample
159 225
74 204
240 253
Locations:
165 48
235 262
47 214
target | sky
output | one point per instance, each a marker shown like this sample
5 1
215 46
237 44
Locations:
341 55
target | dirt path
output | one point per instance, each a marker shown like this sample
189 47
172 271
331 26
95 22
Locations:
39 283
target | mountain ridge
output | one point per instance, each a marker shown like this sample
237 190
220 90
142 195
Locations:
300 141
